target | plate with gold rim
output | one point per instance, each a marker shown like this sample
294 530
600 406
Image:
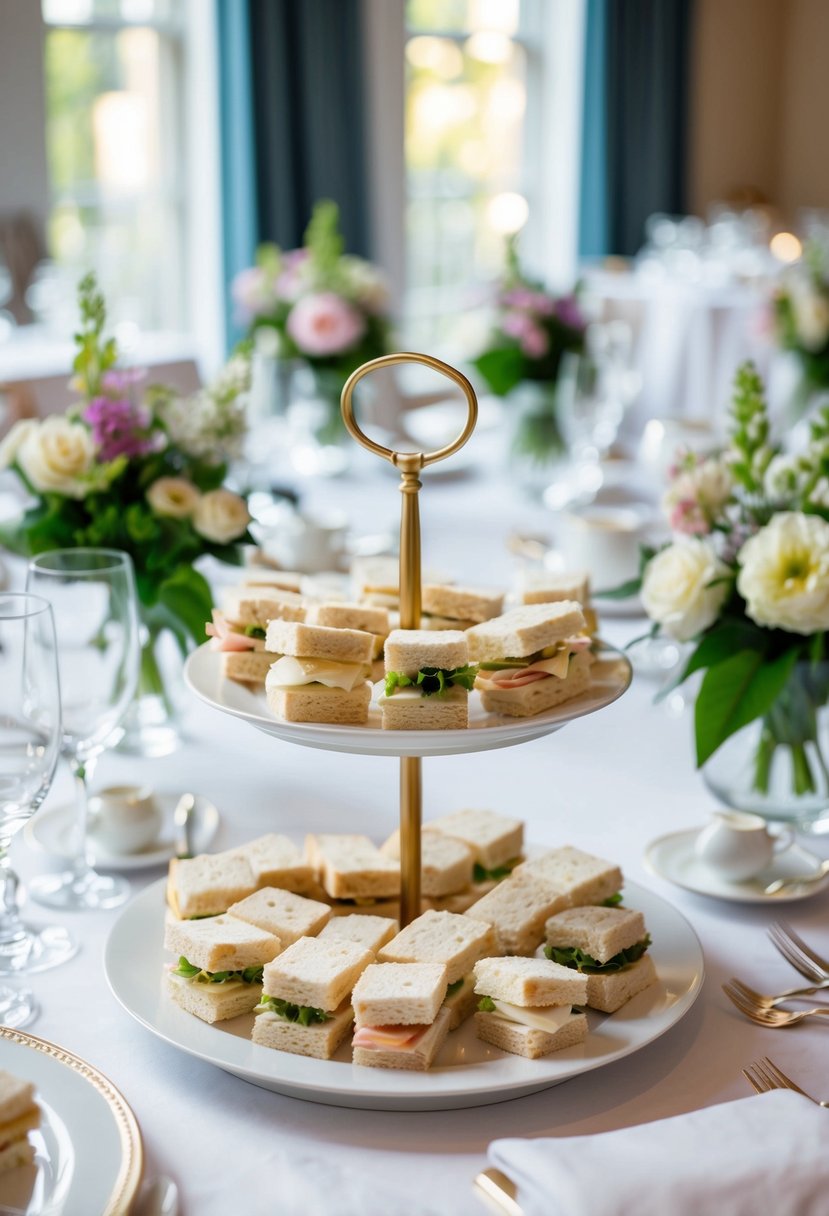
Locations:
611 676
88 1151
466 1072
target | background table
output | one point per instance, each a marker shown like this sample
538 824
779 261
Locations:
609 784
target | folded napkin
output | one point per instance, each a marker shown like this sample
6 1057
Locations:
767 1154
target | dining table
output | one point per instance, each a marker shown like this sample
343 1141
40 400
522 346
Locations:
609 783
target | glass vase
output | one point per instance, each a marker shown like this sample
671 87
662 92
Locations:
778 765
151 726
320 444
535 444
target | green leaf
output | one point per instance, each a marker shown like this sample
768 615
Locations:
734 693
486 1004
580 960
186 596
502 368
720 642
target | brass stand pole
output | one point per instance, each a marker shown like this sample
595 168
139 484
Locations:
409 464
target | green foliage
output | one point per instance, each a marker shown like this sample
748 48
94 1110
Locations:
249 975
323 239
433 681
734 692
581 961
750 430
305 1015
486 1004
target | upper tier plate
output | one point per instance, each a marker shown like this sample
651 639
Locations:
203 673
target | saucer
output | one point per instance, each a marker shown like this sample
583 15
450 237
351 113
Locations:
50 831
672 857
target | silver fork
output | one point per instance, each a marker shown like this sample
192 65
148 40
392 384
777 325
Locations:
765 1075
767 1001
796 952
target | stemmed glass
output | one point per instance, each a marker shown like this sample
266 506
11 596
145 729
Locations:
30 736
92 593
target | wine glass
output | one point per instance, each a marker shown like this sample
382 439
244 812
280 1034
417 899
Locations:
92 593
30 736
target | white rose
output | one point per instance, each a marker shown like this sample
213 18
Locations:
221 516
676 589
783 479
713 482
785 573
811 318
57 456
173 496
10 446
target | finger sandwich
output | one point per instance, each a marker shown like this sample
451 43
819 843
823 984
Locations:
285 915
352 867
239 630
321 676
398 1015
518 908
526 1005
19 1115
428 679
550 588
496 841
305 1007
445 863
365 928
266 576
366 618
531 658
581 878
275 861
608 946
220 962
208 884
450 607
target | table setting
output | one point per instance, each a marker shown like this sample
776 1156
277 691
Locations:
183 1115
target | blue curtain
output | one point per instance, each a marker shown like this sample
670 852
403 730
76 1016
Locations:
635 129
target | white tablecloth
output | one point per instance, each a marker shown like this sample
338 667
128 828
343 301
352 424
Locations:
609 783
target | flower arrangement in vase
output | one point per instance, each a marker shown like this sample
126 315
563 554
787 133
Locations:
801 320
746 582
139 471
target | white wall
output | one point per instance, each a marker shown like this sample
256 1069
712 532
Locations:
23 177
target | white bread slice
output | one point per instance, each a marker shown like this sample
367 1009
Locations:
580 877
316 703
599 932
220 943
494 839
319 1040
461 1003
409 709
375 575
208 884
441 937
419 1059
213 1002
527 1040
255 606
399 994
518 909
544 694
522 631
16 1096
275 861
461 603
529 982
445 863
285 915
317 973
370 931
264 576
408 650
609 992
247 666
547 587
352 867
20 1152
13 1129
363 617
319 642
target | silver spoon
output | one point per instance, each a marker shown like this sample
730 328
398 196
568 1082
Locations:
785 884
184 819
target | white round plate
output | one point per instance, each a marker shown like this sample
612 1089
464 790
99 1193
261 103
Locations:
51 831
673 857
203 673
88 1154
467 1072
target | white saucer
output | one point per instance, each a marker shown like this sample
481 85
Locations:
672 857
50 831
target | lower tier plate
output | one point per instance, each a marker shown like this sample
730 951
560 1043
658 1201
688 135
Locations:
467 1072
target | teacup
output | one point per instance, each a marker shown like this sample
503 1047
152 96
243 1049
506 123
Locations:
124 818
604 540
737 845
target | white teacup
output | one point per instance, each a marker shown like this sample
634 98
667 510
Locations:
737 845
604 540
124 818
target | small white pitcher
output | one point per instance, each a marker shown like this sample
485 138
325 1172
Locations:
737 845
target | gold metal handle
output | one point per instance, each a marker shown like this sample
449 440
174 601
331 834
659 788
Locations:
409 461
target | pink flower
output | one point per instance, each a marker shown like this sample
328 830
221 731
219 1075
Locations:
253 293
324 324
568 312
689 518
119 380
119 428
292 275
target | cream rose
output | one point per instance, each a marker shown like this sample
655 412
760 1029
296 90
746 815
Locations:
221 516
784 577
57 457
173 496
10 446
677 591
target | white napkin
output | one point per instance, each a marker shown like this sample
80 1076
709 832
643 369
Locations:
767 1154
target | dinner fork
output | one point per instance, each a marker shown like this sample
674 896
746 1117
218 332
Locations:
771 1017
796 952
766 1000
765 1075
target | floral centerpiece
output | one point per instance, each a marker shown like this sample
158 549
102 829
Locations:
746 582
323 307
801 314
140 471
532 330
